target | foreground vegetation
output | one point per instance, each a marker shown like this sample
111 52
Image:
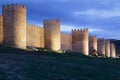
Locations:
16 64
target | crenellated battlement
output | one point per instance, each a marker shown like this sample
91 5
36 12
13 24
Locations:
14 20
52 34
49 20
80 30
80 40
18 34
92 37
11 6
34 26
52 21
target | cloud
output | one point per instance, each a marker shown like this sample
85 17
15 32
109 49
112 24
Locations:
68 28
95 30
100 33
101 17
96 13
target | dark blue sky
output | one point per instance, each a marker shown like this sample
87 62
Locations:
102 17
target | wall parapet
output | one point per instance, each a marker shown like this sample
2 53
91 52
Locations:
52 39
51 20
34 26
79 30
10 6
80 40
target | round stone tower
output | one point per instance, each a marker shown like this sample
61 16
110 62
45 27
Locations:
52 34
80 41
84 42
112 51
107 48
93 45
101 46
75 40
1 29
14 25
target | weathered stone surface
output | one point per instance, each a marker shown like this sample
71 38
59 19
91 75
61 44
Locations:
14 23
52 34
112 51
35 36
93 45
101 46
14 32
80 41
66 42
107 48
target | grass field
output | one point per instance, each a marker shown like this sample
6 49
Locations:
16 64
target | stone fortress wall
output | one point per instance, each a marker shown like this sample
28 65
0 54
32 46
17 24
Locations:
101 46
15 32
80 40
52 34
66 42
35 36
93 45
112 50
14 22
107 48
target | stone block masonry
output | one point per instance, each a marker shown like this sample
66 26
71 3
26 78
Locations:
52 34
16 33
66 42
107 48
112 51
92 45
35 36
80 41
14 23
101 46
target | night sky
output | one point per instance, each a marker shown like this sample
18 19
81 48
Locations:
102 17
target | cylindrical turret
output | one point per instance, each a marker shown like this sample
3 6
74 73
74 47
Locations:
84 40
14 23
80 41
112 51
93 45
1 29
107 48
76 40
101 46
52 34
